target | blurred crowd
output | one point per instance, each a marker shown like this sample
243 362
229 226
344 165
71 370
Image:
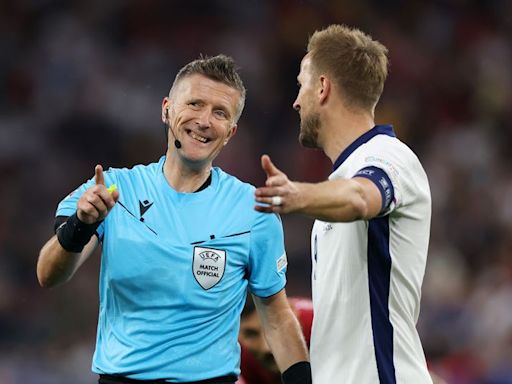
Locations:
82 81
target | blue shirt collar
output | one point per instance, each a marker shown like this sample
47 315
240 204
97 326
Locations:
365 137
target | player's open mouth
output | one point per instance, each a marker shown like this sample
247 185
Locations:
197 137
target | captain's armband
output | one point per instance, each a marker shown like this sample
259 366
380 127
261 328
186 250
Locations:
381 179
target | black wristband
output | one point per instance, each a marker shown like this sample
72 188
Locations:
74 234
298 373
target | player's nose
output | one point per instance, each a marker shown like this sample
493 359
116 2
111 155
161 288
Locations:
264 347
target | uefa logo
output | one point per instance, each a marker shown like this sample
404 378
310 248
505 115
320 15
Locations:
208 266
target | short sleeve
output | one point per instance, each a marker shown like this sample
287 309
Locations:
267 256
394 162
387 161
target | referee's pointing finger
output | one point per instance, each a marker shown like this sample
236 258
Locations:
98 175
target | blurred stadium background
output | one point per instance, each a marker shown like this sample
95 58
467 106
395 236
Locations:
81 83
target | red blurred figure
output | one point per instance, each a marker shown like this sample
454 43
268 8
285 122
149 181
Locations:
257 363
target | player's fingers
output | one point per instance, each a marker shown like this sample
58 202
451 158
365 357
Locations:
269 167
98 175
262 208
268 208
267 200
276 181
269 191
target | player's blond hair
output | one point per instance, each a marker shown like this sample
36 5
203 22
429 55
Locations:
357 63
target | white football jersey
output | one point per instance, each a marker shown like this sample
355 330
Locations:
367 275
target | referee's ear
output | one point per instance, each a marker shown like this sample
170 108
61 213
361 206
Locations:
231 133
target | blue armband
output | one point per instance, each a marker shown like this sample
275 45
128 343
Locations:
383 183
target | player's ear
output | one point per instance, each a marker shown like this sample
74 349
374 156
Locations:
324 89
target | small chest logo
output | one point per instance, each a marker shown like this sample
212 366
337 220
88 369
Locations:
208 266
144 206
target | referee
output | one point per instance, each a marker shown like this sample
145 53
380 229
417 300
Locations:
181 245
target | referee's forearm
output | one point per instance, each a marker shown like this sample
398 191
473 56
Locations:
56 266
287 342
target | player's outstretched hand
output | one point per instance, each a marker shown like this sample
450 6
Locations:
95 203
279 195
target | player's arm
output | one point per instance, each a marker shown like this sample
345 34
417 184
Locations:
74 242
339 200
284 336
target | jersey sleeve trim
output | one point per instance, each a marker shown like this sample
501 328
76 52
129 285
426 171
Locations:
264 293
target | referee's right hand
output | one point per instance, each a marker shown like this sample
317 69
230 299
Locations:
96 202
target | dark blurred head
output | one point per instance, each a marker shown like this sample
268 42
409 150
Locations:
252 339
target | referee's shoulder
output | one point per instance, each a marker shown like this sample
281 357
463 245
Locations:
133 169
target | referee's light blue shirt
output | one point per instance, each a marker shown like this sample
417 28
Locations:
174 272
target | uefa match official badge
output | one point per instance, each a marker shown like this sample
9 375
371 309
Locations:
208 266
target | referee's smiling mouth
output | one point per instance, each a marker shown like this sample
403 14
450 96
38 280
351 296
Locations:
197 137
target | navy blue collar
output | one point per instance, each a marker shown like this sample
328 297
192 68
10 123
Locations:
364 138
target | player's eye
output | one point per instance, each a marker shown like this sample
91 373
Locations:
250 333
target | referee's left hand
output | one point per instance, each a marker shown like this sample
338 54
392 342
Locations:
277 186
